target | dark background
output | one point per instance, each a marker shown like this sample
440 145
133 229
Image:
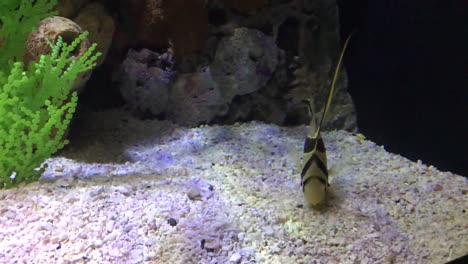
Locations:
407 65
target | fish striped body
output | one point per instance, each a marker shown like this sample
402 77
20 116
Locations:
314 173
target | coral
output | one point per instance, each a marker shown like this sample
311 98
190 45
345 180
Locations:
35 110
17 20
48 30
35 101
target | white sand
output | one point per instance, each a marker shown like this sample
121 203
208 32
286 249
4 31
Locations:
235 190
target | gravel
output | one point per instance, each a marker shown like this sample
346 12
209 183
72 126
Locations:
132 191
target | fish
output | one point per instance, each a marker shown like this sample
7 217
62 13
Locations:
314 172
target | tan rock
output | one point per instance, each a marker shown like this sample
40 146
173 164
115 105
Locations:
96 20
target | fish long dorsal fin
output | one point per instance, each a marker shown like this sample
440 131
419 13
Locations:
332 87
313 119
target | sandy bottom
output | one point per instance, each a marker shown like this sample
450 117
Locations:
130 191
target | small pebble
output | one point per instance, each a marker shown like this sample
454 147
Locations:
212 246
96 191
110 226
46 227
251 200
128 228
194 193
172 222
268 231
248 251
114 252
110 237
275 249
202 243
235 258
136 255
123 190
97 243
72 199
9 214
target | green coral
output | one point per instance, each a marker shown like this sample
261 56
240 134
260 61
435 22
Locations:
18 18
36 104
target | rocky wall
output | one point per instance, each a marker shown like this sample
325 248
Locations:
229 60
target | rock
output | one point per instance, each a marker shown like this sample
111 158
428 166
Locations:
110 226
248 252
144 23
96 20
307 35
187 23
115 252
268 231
172 222
110 237
244 62
83 235
194 193
257 107
275 249
199 190
282 76
212 246
97 243
245 7
69 8
235 258
123 190
145 78
97 191
269 110
158 23
240 109
195 99
136 255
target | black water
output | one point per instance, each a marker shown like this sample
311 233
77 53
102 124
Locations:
408 71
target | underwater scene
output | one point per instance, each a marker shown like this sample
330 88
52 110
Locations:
209 131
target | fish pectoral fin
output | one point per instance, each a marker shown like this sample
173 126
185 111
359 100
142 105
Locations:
295 157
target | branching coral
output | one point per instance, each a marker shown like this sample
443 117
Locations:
36 104
18 18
